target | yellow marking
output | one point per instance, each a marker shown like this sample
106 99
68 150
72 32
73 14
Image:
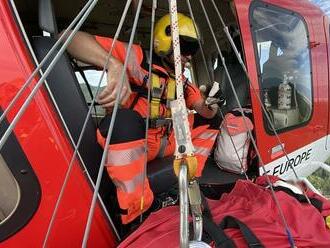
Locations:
327 221
142 203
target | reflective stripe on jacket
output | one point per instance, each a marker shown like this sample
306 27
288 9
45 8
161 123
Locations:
125 166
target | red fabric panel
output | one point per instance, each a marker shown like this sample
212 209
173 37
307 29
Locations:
254 206
236 124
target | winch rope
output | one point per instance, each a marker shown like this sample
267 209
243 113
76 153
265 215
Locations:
88 115
184 149
179 102
43 61
237 54
61 117
45 74
176 50
178 75
287 230
153 11
209 77
110 130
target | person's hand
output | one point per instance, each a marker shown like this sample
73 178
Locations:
207 111
107 97
214 108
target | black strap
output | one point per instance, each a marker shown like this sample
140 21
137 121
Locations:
134 102
81 72
249 236
214 232
301 198
211 232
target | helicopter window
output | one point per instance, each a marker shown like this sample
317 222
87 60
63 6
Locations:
281 43
19 186
9 191
88 81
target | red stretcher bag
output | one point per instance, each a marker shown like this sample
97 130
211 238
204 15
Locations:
252 206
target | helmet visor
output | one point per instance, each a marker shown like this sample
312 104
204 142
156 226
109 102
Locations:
188 46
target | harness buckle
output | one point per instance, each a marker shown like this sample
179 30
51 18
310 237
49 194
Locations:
157 92
160 122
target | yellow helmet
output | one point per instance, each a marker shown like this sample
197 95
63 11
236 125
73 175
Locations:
163 39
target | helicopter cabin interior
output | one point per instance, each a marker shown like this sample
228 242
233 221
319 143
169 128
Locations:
69 81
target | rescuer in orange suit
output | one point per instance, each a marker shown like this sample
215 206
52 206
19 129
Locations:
126 155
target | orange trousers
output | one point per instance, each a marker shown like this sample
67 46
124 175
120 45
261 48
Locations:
126 161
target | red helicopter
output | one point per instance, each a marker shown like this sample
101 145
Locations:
285 52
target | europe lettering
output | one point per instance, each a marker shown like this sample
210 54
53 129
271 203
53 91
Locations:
292 162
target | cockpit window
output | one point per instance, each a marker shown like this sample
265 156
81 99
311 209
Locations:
283 55
88 81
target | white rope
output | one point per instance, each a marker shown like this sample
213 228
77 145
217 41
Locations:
209 77
225 28
43 77
153 10
180 103
84 128
291 241
44 60
113 117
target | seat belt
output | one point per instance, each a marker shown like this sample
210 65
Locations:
156 95
81 72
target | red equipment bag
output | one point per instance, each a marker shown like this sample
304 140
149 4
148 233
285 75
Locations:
247 212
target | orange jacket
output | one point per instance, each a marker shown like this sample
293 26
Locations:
126 160
137 75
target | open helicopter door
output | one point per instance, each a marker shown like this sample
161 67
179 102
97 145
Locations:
286 58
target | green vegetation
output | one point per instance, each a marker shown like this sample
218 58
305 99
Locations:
321 181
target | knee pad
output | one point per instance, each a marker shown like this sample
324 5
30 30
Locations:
129 126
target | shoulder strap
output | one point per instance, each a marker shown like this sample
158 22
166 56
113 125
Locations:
216 234
249 236
212 232
301 198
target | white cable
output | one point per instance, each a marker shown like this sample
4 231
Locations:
44 60
84 128
149 85
291 241
43 77
113 117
